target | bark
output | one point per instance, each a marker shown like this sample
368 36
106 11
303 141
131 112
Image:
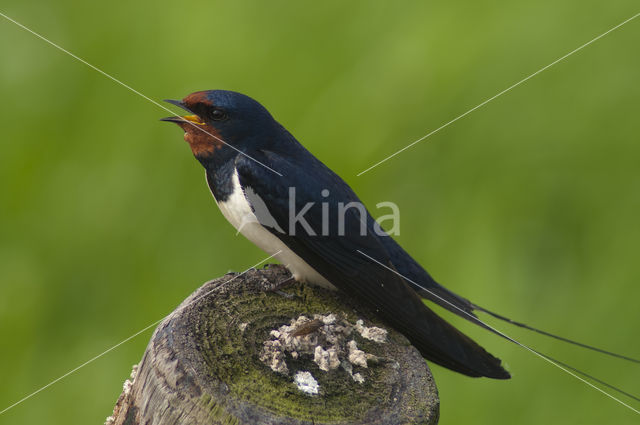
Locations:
212 361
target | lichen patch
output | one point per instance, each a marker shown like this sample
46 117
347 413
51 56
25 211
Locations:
327 340
372 333
356 357
306 383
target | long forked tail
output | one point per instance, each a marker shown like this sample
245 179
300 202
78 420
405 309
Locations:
466 309
422 282
549 334
586 375
428 288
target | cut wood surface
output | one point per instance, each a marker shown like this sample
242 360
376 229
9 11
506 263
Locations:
238 352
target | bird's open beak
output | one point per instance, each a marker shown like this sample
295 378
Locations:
181 119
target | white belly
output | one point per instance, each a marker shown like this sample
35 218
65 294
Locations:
237 210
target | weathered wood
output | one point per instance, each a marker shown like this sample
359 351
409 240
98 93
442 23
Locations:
227 356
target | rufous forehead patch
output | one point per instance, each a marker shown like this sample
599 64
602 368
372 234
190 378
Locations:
197 97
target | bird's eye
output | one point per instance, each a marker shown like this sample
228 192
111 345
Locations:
218 114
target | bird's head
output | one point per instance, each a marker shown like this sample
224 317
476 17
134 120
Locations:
219 119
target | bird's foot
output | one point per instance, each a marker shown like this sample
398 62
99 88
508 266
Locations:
283 284
284 294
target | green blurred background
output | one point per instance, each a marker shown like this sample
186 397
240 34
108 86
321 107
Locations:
528 206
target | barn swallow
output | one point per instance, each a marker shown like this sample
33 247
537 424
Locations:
261 177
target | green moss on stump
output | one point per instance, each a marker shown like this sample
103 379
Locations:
204 362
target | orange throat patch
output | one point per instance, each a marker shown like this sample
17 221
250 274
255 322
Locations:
203 139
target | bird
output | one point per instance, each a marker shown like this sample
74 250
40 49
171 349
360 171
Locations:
287 202
253 165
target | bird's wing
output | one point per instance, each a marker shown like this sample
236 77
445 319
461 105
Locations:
339 250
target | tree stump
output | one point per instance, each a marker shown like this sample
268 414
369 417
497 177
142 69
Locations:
238 352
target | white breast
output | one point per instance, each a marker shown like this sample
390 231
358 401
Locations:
238 211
